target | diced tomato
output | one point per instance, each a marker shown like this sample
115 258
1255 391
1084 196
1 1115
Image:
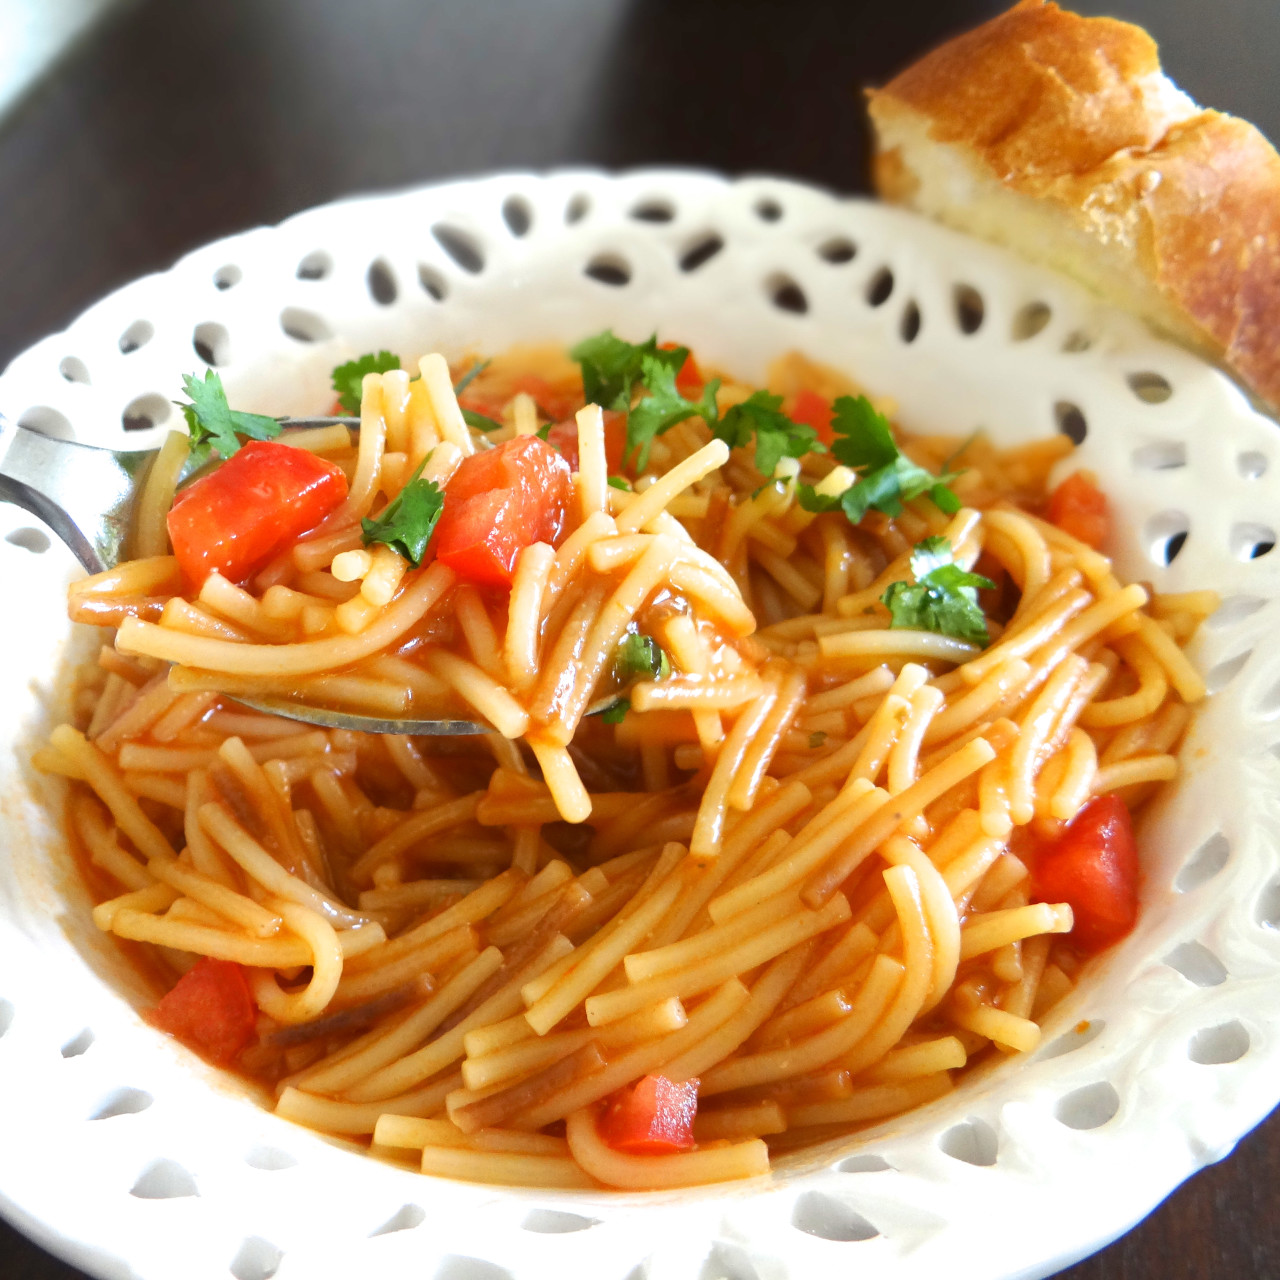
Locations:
1093 866
815 411
236 518
654 1117
210 1010
564 435
1079 508
499 502
690 378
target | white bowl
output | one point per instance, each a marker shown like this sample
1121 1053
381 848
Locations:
127 1156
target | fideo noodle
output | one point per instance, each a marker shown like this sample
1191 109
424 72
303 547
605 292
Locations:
815 862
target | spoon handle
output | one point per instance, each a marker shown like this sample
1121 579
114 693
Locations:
85 495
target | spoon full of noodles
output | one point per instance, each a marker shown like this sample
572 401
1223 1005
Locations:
88 497
331 521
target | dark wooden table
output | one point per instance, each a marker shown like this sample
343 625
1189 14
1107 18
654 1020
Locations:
175 122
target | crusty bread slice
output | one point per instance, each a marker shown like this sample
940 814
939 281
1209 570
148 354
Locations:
1060 137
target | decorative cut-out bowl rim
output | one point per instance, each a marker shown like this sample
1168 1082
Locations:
126 1156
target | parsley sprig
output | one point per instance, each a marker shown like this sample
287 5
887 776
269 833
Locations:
886 476
943 598
407 522
213 424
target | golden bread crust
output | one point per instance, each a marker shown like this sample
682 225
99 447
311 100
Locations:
1074 111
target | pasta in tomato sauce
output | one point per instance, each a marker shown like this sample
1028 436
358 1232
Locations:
812 755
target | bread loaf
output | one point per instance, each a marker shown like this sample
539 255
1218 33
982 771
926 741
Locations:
1059 136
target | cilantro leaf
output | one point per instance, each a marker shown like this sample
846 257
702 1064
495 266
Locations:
942 495
616 712
409 519
943 598
811 500
611 367
470 376
480 421
619 482
864 438
663 407
211 421
887 478
348 377
961 449
641 657
760 415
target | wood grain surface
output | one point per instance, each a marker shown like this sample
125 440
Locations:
175 122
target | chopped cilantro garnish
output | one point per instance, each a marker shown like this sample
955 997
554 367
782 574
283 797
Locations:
480 421
816 739
616 712
641 657
943 598
620 482
470 376
613 370
212 422
663 407
544 431
409 519
961 449
611 367
776 436
887 477
811 500
347 378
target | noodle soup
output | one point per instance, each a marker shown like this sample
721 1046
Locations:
809 783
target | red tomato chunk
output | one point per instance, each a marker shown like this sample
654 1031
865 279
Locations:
210 1010
1093 866
499 502
814 411
654 1117
233 520
564 436
689 379
1079 508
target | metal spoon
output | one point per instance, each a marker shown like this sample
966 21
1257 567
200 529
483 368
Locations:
85 495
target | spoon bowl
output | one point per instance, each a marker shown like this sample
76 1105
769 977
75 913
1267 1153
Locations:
86 496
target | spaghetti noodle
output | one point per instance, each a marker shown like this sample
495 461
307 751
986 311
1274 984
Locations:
802 861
